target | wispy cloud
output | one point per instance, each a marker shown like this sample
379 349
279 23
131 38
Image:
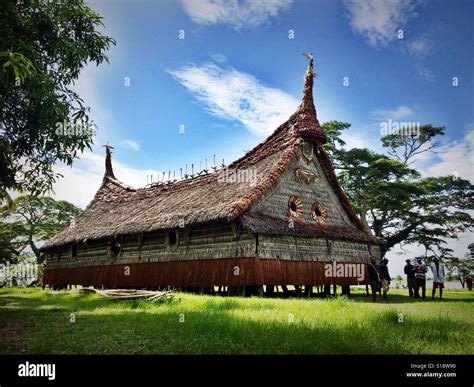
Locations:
132 144
236 13
424 73
233 95
81 182
420 47
454 158
377 21
219 58
399 113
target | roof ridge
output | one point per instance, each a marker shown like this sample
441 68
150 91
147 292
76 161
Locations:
302 123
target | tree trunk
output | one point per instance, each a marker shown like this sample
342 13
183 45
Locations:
35 250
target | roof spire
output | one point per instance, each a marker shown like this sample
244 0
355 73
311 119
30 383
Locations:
307 105
305 116
109 172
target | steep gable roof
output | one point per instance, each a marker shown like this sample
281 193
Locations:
119 209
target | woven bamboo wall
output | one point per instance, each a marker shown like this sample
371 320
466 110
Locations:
210 242
315 249
213 243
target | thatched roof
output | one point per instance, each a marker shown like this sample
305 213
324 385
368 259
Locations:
119 209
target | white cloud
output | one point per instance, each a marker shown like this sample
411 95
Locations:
132 144
368 137
219 58
81 182
426 74
420 47
455 158
397 254
236 13
234 95
398 113
379 20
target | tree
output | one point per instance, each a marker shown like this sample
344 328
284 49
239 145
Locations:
392 199
35 219
11 249
43 47
460 268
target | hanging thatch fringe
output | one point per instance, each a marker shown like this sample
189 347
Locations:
200 273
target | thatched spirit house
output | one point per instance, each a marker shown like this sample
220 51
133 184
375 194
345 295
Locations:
277 216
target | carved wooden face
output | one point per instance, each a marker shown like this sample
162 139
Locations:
304 176
295 207
307 150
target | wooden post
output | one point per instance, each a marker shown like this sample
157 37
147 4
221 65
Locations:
327 290
346 290
270 290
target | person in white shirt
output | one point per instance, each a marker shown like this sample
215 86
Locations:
439 272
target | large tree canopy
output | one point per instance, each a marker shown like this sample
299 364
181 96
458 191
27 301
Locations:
43 47
392 198
33 220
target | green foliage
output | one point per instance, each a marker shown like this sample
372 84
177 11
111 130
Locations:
405 148
460 268
43 47
392 198
333 130
34 219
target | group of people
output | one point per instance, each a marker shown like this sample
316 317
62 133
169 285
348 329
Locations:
379 277
416 277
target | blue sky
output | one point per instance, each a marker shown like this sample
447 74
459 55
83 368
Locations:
414 73
237 74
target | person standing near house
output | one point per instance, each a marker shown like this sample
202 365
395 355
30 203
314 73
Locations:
374 278
420 278
385 277
469 282
439 271
409 270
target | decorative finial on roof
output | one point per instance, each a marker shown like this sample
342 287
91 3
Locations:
308 86
310 57
305 119
109 172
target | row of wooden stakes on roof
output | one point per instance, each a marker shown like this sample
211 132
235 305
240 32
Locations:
172 180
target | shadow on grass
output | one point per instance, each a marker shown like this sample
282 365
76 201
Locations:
217 328
405 299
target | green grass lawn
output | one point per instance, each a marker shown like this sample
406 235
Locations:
35 322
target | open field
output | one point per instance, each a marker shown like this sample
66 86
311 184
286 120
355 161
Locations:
33 321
